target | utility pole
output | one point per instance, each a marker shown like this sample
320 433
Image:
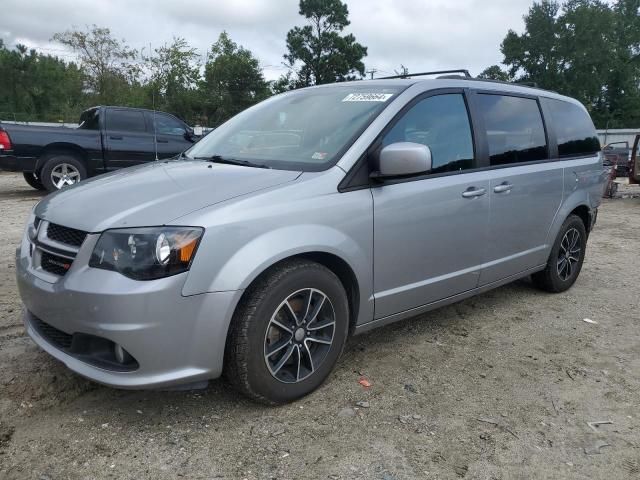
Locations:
372 71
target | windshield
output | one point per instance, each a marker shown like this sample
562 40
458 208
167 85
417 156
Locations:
302 130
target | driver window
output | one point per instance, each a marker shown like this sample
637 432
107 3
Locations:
440 122
166 125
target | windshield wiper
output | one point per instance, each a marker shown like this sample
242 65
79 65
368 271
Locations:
232 161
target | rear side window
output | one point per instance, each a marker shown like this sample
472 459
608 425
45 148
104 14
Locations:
574 129
90 120
442 124
125 120
514 128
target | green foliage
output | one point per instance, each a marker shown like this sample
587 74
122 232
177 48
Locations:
108 63
587 49
232 81
494 72
175 74
37 86
318 52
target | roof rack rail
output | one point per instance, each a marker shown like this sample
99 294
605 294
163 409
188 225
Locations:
527 84
422 74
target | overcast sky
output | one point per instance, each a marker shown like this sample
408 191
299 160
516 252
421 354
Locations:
420 34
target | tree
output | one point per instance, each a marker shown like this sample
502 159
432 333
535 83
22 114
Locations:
107 62
36 86
587 49
318 52
232 81
495 72
175 73
622 92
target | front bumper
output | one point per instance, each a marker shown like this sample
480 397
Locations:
12 163
175 339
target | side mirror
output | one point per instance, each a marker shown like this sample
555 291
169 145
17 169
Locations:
403 159
189 134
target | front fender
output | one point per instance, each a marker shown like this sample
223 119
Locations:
236 272
262 252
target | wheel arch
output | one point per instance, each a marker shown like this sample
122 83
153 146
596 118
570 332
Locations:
579 202
62 148
333 263
584 213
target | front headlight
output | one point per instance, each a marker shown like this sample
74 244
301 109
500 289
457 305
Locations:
147 253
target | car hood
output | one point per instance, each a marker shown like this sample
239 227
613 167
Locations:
154 194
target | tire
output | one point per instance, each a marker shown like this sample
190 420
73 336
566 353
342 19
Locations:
557 275
32 180
256 346
54 167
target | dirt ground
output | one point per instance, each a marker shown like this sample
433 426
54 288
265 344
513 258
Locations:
501 386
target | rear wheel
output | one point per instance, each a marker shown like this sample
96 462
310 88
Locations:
33 180
62 170
287 333
565 260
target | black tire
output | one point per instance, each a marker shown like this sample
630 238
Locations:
32 180
54 160
555 278
246 362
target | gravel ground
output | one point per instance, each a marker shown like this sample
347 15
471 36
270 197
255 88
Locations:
500 386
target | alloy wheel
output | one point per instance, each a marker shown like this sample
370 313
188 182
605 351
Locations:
299 335
569 254
64 175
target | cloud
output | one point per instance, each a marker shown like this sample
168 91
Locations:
422 35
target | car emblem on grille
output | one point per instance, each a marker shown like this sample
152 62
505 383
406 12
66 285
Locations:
57 263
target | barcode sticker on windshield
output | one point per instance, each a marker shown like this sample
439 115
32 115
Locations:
367 97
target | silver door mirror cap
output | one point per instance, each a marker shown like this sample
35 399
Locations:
403 159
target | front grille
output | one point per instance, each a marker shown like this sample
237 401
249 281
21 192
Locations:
54 264
69 236
52 335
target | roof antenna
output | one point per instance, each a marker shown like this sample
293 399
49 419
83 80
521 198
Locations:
153 103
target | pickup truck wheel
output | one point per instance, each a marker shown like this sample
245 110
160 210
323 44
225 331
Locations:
32 180
287 333
61 170
565 260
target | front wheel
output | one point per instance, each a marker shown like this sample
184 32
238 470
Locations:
287 333
565 260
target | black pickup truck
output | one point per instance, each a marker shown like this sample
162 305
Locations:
106 139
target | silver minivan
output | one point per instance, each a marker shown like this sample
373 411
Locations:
314 215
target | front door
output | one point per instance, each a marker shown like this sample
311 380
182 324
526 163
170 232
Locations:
430 232
171 134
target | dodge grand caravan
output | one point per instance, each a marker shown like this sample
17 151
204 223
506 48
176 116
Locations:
316 214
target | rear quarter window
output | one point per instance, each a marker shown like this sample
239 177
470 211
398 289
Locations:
573 127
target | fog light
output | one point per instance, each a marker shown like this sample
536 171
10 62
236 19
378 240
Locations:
122 356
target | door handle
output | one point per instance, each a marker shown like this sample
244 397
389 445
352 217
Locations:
159 140
503 188
472 192
115 137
